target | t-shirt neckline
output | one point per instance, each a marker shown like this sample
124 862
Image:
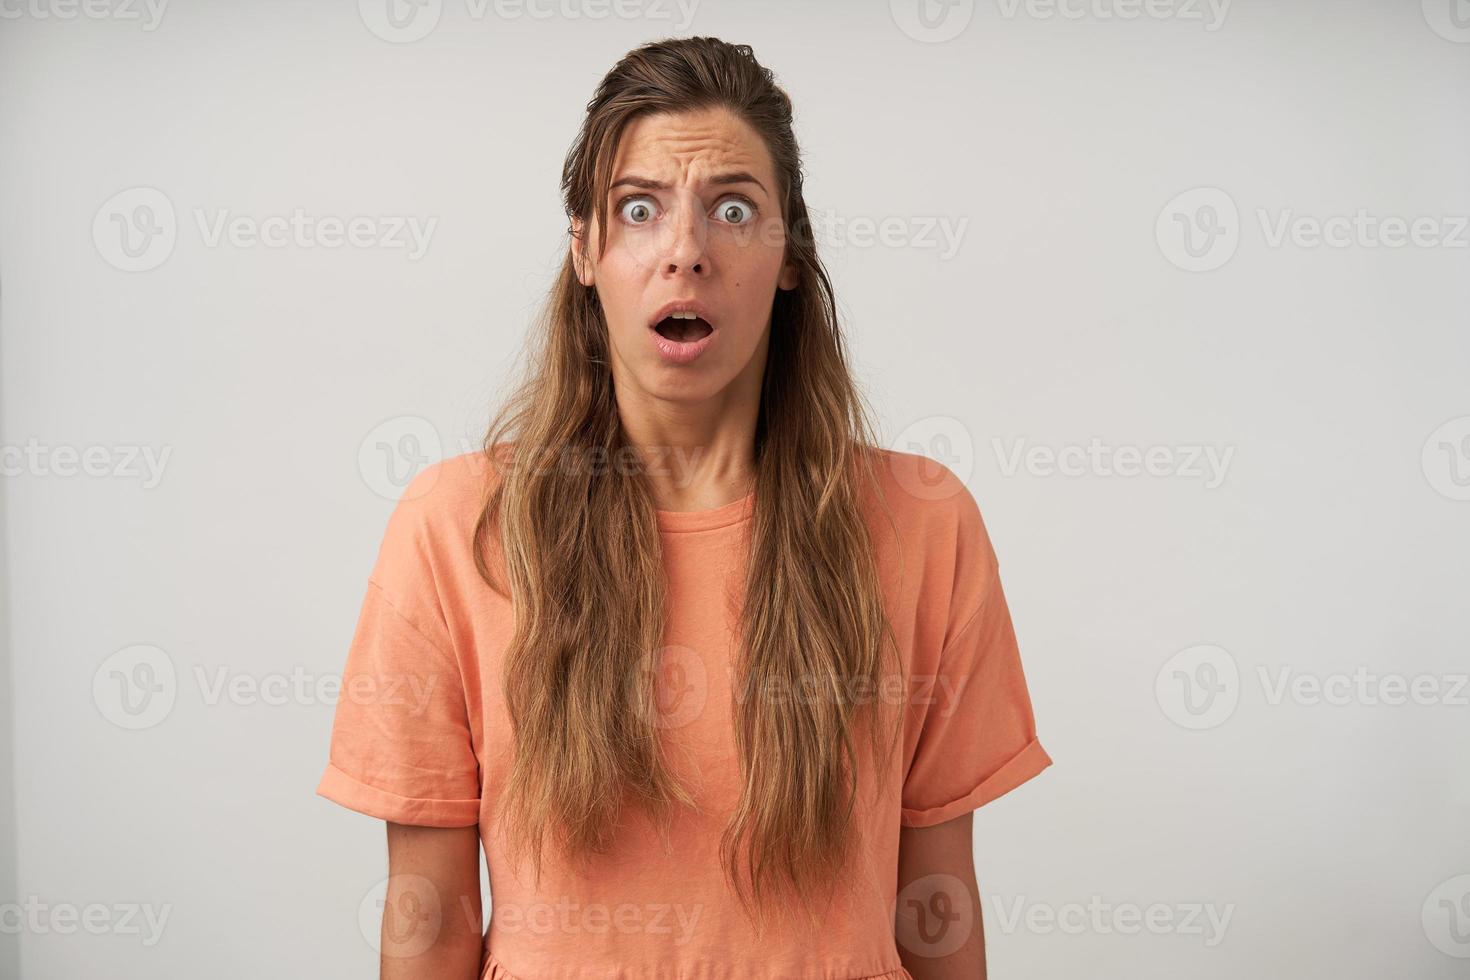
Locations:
734 512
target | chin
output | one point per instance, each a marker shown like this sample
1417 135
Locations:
684 385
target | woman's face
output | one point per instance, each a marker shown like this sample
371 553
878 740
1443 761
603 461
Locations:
693 219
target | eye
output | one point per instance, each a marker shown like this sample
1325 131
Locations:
736 211
637 210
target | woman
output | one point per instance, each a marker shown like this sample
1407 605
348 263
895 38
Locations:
708 675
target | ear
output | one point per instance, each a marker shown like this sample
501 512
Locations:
790 276
577 247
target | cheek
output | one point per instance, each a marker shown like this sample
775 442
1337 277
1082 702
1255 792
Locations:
757 267
753 254
620 288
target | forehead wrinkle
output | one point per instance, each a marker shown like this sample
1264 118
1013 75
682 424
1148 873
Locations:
694 150
658 162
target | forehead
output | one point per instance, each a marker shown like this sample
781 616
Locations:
685 145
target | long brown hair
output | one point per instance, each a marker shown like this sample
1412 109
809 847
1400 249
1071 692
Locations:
581 547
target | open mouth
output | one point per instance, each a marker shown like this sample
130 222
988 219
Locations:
683 329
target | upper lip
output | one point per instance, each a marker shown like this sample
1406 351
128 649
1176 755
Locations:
682 306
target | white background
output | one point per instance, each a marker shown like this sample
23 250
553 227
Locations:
1329 380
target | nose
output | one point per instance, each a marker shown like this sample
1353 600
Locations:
686 247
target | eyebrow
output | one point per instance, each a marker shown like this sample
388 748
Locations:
732 177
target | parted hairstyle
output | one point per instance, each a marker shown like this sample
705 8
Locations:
581 549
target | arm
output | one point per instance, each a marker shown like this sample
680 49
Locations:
431 915
935 915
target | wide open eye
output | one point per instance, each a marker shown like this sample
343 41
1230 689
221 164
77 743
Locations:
636 210
736 211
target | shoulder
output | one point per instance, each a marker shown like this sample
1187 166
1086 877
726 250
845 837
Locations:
925 495
430 528
938 523
443 490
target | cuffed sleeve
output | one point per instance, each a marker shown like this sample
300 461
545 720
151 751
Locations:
401 748
978 736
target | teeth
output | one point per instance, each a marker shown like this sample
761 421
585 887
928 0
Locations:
685 315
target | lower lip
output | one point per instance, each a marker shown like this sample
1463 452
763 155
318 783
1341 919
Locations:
680 352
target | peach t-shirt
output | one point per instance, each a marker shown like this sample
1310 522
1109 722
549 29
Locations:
421 735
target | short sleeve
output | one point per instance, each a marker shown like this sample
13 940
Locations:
978 736
401 746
